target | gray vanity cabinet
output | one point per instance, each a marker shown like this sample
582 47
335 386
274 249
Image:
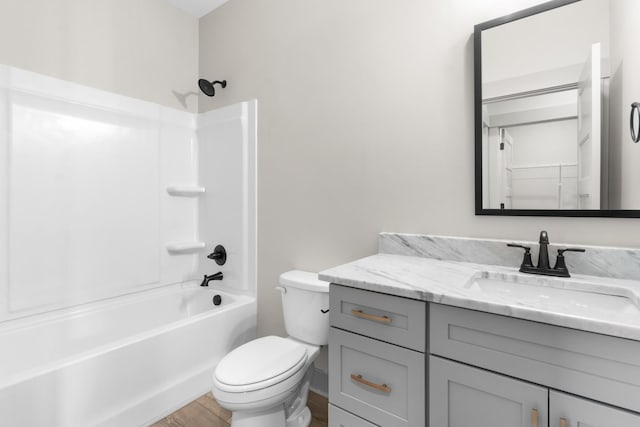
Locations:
377 360
399 362
571 411
488 370
342 418
463 396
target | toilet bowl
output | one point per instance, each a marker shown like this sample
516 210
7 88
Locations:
265 382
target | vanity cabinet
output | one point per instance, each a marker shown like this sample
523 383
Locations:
340 418
462 396
488 370
570 411
377 360
395 361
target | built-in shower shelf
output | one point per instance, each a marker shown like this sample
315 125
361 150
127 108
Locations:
185 190
177 248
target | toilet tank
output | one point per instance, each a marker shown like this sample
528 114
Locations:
305 306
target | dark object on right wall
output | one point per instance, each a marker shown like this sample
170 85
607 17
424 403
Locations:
207 87
633 124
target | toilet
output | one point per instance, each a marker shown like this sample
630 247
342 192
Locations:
265 382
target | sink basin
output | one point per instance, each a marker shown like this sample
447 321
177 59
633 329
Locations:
566 296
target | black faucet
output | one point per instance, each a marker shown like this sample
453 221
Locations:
207 279
543 253
219 255
543 267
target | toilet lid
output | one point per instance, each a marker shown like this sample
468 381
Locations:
261 363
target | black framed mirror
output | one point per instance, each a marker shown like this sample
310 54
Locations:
554 85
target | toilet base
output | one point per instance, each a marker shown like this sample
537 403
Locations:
299 414
303 419
273 417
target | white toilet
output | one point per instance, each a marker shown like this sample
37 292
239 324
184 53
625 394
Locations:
265 382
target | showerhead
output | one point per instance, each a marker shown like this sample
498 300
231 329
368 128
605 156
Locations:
207 87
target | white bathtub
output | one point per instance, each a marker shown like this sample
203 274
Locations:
122 362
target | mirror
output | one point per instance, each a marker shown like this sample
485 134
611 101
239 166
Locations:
554 86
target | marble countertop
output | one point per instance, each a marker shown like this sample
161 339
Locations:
453 283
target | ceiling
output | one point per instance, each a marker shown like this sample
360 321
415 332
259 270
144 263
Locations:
197 8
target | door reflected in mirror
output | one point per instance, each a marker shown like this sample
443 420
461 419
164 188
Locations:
554 86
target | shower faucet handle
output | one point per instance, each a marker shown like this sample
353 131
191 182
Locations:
219 255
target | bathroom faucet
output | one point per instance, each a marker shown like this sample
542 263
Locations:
207 279
543 267
543 253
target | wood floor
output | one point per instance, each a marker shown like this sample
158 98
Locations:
205 412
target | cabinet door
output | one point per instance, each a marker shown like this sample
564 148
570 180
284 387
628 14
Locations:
340 418
569 411
462 396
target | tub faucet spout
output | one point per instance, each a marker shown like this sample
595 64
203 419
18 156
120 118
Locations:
207 279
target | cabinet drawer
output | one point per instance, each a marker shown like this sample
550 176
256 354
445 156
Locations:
381 382
388 318
340 418
596 366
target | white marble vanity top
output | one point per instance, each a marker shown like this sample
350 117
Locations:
452 283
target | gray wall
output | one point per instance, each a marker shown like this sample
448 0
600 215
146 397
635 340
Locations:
146 49
365 125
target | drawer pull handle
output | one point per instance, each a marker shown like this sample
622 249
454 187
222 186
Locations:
382 387
534 418
563 422
363 315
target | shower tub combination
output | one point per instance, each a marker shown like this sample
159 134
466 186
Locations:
122 362
113 330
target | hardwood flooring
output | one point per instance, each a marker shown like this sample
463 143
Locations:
205 412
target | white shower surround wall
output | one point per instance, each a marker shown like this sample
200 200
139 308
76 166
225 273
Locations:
88 215
229 203
85 212
82 204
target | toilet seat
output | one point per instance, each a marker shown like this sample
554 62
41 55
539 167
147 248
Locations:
259 364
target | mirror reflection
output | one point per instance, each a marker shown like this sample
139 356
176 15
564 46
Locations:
557 89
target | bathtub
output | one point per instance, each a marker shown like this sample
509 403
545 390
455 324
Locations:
123 362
